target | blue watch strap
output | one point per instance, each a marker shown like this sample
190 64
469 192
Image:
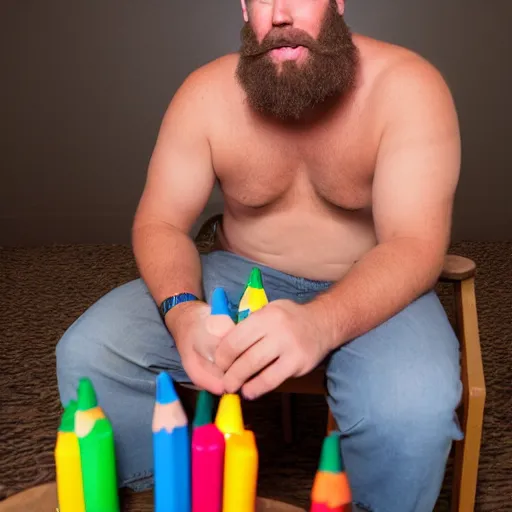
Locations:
173 301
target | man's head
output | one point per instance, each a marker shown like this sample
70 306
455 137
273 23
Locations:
294 55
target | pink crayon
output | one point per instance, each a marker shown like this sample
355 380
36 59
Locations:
208 447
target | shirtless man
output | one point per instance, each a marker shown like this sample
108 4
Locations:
338 158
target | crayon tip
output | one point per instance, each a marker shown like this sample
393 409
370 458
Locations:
255 279
67 423
330 458
165 392
229 419
204 409
86 395
220 303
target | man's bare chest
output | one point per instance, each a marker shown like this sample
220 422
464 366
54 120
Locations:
257 169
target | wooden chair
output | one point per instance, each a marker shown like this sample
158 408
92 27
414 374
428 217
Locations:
460 273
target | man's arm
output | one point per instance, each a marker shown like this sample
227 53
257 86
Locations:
179 183
414 185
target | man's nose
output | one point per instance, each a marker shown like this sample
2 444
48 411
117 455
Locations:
282 14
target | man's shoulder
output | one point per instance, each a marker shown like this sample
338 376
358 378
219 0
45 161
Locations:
394 71
212 78
400 82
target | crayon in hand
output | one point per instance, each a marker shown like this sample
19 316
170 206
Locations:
220 322
97 452
254 296
171 450
68 465
331 489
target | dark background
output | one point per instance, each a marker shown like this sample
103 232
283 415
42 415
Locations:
84 86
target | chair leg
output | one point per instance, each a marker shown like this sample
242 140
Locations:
286 417
467 451
467 454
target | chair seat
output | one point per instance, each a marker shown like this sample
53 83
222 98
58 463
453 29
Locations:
311 384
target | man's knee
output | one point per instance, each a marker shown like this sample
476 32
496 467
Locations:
404 414
100 339
79 353
119 339
414 417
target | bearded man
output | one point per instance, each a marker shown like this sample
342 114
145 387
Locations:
338 158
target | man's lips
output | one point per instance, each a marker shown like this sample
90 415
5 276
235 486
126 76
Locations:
288 52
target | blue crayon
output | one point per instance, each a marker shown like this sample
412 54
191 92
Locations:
221 306
171 450
220 303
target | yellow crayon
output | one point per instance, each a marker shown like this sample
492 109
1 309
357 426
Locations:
254 297
70 490
229 419
240 473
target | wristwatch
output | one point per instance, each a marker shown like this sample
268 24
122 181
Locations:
173 301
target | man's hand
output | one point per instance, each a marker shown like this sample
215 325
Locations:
197 340
277 342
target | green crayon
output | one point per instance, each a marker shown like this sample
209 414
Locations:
204 409
97 453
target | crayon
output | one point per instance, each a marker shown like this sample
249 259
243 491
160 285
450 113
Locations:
319 507
204 409
254 296
229 419
220 303
171 450
207 468
240 473
68 467
97 452
220 321
331 489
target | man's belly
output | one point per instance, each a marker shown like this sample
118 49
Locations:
301 244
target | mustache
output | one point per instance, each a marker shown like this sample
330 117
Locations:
279 38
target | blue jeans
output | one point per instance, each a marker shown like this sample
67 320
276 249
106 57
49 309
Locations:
393 391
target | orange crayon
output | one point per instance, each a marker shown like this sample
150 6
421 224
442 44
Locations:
331 488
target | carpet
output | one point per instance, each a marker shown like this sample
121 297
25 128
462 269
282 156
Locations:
43 290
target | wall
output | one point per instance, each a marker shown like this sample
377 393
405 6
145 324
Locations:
85 84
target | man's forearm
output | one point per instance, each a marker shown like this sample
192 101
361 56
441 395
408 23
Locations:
385 281
167 259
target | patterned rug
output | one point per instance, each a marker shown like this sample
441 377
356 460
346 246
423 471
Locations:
42 291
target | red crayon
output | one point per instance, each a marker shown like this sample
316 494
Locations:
208 446
322 507
319 507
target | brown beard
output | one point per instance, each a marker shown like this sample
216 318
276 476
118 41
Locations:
329 70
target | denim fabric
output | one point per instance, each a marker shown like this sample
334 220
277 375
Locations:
393 391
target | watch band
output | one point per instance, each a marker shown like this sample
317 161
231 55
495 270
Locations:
173 301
